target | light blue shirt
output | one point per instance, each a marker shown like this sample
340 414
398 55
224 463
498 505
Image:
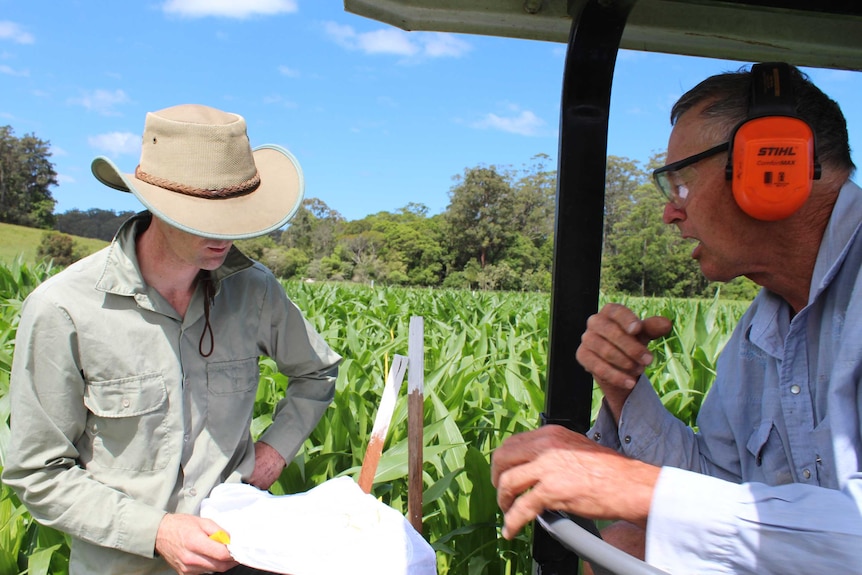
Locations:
771 483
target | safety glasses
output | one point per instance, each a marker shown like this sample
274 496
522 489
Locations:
671 181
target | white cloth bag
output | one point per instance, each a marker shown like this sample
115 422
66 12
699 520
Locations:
333 528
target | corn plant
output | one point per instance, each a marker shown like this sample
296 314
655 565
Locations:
485 366
485 363
25 546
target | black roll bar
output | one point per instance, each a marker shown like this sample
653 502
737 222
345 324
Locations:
587 77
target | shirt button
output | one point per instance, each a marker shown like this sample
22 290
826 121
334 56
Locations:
186 438
597 436
193 491
806 474
126 402
794 389
628 439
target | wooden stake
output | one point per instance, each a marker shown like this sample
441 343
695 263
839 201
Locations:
381 422
415 421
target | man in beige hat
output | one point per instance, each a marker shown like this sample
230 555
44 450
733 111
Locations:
136 369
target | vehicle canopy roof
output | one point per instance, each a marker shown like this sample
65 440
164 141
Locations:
824 33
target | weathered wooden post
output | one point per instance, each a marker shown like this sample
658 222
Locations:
415 420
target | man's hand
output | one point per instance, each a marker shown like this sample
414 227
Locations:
268 464
555 468
614 350
184 542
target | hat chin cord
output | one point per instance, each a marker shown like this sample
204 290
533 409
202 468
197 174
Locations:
209 300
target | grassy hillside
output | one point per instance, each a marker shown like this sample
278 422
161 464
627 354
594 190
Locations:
20 240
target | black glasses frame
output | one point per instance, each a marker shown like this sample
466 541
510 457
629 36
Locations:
663 183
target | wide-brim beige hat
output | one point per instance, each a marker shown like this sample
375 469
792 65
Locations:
199 174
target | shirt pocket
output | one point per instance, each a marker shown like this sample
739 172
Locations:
127 424
232 388
770 460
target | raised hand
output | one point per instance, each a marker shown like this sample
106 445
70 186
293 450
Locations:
614 350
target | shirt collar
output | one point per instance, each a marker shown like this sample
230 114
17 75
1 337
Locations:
771 320
843 227
122 274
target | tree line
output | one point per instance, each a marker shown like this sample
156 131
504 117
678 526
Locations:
495 234
26 175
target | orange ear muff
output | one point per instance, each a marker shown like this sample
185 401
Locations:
773 166
772 161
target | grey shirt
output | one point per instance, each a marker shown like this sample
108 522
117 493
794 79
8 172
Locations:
117 418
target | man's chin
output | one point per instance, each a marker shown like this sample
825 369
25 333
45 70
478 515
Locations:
716 275
713 273
211 264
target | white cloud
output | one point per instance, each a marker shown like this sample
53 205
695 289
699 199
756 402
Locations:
386 41
228 8
9 70
441 45
341 34
102 101
117 143
289 72
12 31
58 151
526 123
397 42
65 179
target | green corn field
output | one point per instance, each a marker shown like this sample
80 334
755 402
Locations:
485 365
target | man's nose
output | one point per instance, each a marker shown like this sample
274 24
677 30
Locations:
672 213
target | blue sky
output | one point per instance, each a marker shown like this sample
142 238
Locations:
377 117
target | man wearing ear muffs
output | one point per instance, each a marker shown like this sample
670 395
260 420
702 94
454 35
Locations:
758 176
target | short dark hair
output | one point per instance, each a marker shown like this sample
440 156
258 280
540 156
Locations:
729 96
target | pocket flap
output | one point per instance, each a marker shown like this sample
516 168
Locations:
238 376
126 397
759 438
